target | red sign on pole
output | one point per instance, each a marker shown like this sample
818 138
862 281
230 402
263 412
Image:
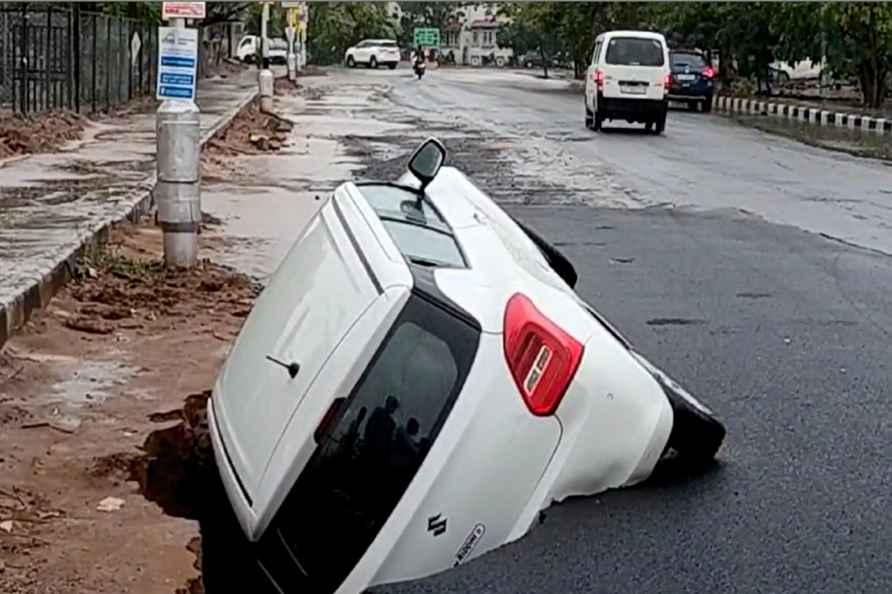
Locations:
182 10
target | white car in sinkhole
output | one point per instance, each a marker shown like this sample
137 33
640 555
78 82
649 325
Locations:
415 384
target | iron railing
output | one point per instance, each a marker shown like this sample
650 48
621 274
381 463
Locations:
56 56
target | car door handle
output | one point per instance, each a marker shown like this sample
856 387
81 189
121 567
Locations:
293 367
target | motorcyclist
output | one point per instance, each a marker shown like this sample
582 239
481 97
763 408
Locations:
418 55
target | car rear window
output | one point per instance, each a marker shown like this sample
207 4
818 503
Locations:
417 229
369 456
388 44
692 60
634 51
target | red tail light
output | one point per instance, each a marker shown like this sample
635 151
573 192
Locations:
708 72
667 82
542 357
598 77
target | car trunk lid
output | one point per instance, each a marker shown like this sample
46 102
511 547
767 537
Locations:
331 275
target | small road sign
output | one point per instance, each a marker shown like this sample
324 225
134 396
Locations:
182 10
177 61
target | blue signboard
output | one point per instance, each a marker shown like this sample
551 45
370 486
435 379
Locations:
177 61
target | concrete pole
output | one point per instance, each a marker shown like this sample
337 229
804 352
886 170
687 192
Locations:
292 58
265 78
302 63
178 189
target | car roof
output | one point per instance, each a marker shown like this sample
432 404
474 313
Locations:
629 33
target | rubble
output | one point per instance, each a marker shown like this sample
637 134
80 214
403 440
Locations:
251 132
47 132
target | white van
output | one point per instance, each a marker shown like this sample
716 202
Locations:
628 79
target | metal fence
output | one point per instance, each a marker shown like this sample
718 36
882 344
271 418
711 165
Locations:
65 58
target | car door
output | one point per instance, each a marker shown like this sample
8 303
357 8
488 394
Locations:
591 89
362 52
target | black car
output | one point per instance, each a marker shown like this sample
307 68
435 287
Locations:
692 79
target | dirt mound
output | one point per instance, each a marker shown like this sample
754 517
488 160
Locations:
251 132
21 135
116 290
283 86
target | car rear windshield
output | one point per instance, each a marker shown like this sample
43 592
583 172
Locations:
634 51
680 60
368 457
388 44
417 229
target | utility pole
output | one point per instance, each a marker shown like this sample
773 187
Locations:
265 78
292 58
178 124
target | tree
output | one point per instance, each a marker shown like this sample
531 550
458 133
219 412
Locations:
335 26
533 27
852 39
437 15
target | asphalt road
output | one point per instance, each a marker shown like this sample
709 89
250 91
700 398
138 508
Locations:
704 162
731 288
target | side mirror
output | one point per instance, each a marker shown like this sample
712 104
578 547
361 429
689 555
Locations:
427 160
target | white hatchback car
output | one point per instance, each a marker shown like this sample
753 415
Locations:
372 53
415 384
628 79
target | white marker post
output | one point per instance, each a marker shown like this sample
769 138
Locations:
178 126
265 78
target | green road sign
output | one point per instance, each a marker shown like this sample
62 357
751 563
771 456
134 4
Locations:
427 37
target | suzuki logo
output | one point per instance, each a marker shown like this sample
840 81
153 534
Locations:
436 525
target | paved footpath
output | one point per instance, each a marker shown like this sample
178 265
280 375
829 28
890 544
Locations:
51 205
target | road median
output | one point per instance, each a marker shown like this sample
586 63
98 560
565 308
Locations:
803 113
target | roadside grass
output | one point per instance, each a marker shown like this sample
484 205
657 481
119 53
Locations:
853 142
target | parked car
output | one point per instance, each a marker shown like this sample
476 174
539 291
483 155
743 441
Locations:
628 79
415 384
533 59
248 49
692 79
372 53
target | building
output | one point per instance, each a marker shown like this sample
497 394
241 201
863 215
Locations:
472 40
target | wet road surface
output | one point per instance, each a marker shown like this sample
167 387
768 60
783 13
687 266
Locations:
703 161
783 332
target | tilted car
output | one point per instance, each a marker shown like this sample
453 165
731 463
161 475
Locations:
415 384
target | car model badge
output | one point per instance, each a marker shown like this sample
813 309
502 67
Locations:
436 524
470 542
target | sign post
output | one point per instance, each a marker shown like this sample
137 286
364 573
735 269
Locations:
178 121
297 21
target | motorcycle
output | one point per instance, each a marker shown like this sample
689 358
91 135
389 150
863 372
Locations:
419 68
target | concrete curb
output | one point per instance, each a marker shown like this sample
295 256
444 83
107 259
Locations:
18 309
809 115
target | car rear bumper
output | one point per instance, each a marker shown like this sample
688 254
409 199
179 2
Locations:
688 95
622 107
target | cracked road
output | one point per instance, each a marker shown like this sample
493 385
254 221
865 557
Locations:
750 267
